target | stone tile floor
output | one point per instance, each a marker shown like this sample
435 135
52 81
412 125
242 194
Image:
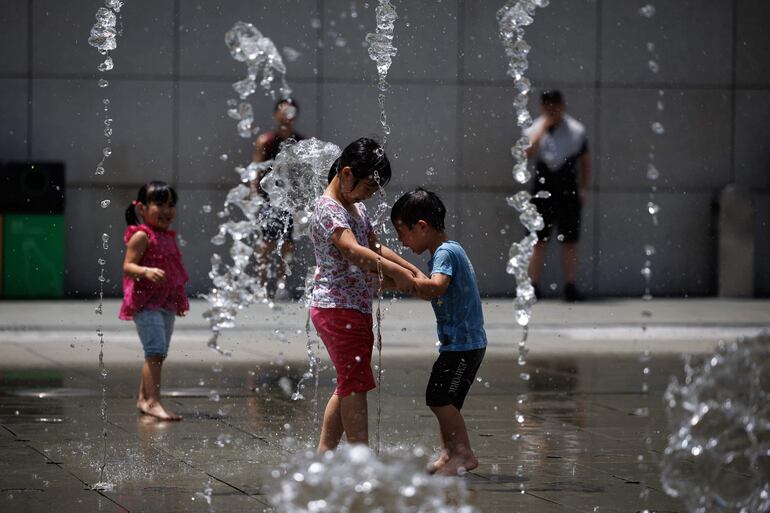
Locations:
591 441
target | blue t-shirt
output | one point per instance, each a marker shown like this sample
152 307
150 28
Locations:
460 321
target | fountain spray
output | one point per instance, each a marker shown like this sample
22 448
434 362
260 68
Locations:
103 37
512 18
381 51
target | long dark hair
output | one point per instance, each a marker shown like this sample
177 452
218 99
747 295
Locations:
156 192
366 158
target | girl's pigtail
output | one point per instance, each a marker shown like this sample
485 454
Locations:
334 169
131 217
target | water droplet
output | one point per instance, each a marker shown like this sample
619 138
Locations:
99 170
103 82
657 128
105 203
652 208
107 151
430 171
223 157
648 11
652 172
654 67
107 65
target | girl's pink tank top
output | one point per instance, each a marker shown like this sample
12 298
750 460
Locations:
142 294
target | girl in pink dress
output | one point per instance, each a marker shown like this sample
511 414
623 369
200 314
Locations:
347 255
153 286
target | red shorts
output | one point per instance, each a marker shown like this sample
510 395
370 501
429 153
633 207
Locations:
347 335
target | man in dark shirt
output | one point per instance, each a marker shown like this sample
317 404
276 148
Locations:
276 224
559 148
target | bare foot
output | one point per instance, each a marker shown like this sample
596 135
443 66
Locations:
158 411
435 466
458 465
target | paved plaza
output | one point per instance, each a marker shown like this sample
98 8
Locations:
582 445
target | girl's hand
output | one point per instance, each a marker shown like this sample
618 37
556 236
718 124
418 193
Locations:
419 275
154 274
404 281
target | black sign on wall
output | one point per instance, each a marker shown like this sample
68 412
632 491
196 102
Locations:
32 187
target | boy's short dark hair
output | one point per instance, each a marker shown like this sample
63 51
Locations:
551 97
289 101
419 204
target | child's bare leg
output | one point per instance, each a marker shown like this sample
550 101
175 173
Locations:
455 440
151 378
331 430
536 264
287 257
355 417
435 466
264 256
140 398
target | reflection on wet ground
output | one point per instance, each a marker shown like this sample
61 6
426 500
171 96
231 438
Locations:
581 447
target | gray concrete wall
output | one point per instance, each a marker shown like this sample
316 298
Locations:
450 108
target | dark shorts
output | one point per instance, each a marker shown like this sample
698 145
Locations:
452 377
562 211
275 223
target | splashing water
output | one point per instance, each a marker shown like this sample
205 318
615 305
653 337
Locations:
237 285
296 179
653 66
512 18
103 37
382 51
264 62
717 457
352 479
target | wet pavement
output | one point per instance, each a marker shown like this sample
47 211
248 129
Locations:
590 441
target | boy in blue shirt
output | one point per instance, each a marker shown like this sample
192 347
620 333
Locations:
418 217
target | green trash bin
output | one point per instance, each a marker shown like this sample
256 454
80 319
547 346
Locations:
33 256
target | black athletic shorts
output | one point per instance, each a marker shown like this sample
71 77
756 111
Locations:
275 223
452 377
563 211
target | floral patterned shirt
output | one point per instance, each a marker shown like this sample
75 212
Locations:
337 282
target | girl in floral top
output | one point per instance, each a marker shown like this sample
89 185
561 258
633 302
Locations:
347 255
153 286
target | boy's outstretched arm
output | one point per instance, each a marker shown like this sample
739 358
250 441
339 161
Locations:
435 286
